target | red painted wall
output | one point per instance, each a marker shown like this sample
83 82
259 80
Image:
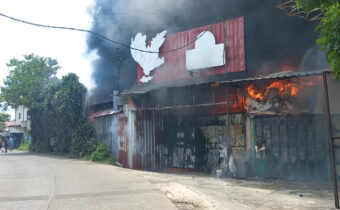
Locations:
123 142
174 66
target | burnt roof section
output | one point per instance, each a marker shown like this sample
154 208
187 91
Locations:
201 81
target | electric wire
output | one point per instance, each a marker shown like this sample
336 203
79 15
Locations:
99 35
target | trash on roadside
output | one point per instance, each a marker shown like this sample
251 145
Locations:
119 164
219 173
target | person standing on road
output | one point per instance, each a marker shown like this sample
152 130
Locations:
1 142
6 144
11 143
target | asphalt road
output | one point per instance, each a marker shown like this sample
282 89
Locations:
32 181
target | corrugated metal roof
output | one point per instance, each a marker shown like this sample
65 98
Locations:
103 113
279 75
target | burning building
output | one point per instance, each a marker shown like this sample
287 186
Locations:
238 97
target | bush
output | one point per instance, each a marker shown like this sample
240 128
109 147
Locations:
102 154
83 142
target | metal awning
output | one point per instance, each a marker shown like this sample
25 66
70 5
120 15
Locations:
279 75
103 113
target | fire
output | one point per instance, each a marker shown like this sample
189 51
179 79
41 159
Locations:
253 93
285 88
282 88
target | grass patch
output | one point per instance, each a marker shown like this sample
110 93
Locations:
24 146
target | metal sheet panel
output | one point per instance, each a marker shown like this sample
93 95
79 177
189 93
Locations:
123 142
230 32
149 135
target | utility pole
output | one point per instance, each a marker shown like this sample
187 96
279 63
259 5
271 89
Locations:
117 60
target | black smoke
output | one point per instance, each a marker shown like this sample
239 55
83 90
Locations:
273 40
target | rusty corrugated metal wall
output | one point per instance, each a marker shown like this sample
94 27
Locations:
149 135
105 131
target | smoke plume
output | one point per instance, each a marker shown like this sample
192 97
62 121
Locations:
273 40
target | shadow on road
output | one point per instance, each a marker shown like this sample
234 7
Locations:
17 153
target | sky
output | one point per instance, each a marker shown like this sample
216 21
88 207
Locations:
68 47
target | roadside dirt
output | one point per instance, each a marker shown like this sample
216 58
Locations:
197 191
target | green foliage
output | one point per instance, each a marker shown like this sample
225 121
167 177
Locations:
102 154
329 27
27 79
67 104
28 85
329 40
83 141
59 116
55 106
308 5
40 130
3 118
24 146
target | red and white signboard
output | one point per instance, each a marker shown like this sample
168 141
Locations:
219 49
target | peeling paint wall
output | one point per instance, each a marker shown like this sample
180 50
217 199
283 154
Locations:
226 141
140 139
206 143
124 143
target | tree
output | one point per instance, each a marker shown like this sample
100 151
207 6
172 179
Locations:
3 118
67 103
55 106
27 79
26 85
329 40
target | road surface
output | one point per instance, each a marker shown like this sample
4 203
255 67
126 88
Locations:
32 181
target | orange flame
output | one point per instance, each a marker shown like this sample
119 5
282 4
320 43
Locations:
285 88
253 93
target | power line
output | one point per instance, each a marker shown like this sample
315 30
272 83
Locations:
122 24
97 34
137 13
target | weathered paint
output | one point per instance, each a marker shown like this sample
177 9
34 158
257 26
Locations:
131 133
230 32
149 137
123 141
226 140
294 147
106 131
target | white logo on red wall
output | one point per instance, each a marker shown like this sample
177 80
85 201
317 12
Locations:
206 54
148 61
